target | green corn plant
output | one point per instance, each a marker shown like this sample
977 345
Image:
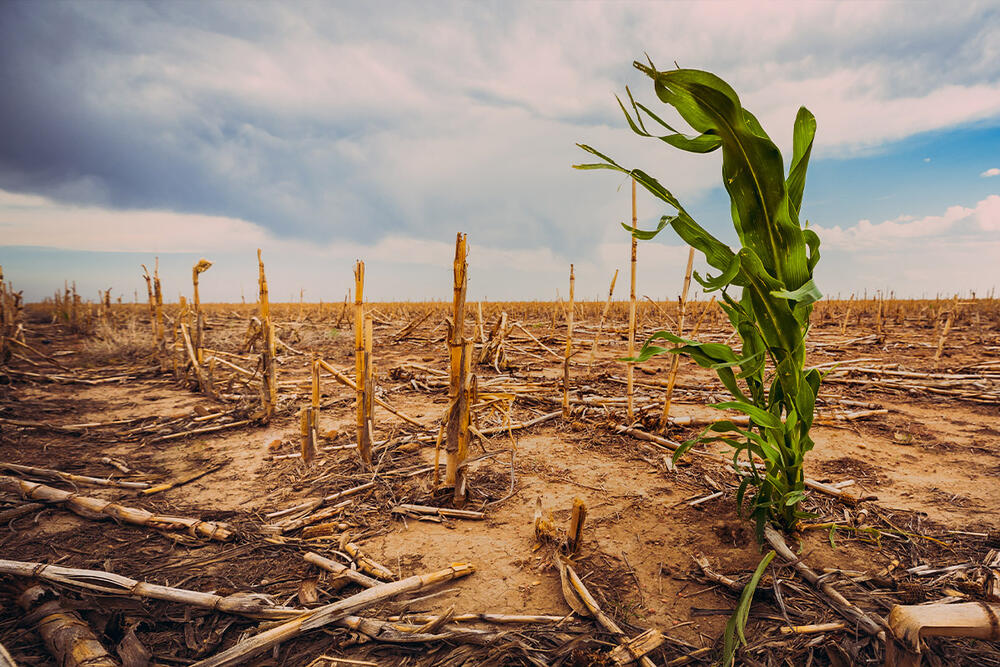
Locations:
766 285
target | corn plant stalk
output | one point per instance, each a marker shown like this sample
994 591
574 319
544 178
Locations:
152 305
161 338
460 358
331 613
199 327
772 271
604 317
675 360
847 315
361 367
253 605
629 369
96 508
946 330
569 344
269 374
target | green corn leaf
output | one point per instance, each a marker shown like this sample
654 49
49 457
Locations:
738 621
802 143
644 235
704 143
794 498
646 353
759 416
723 280
752 168
805 295
812 242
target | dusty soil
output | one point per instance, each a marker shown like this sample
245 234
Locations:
928 466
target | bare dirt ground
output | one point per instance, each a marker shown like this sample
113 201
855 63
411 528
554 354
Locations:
928 466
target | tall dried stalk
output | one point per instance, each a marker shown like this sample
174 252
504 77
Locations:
199 324
459 389
480 330
11 329
309 426
847 315
629 370
269 376
152 304
362 367
161 337
947 329
878 314
604 317
199 373
569 344
676 360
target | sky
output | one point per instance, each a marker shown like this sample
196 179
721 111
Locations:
329 132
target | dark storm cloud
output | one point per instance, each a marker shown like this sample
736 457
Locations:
93 116
354 121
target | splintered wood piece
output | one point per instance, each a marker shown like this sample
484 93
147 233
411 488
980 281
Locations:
344 573
252 605
812 629
425 510
82 480
5 659
910 623
317 502
95 508
574 536
991 587
582 602
364 562
435 624
323 529
330 613
545 528
289 525
183 479
635 648
842 605
718 578
485 617
67 636
199 373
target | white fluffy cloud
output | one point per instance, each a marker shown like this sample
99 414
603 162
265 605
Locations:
961 220
990 172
